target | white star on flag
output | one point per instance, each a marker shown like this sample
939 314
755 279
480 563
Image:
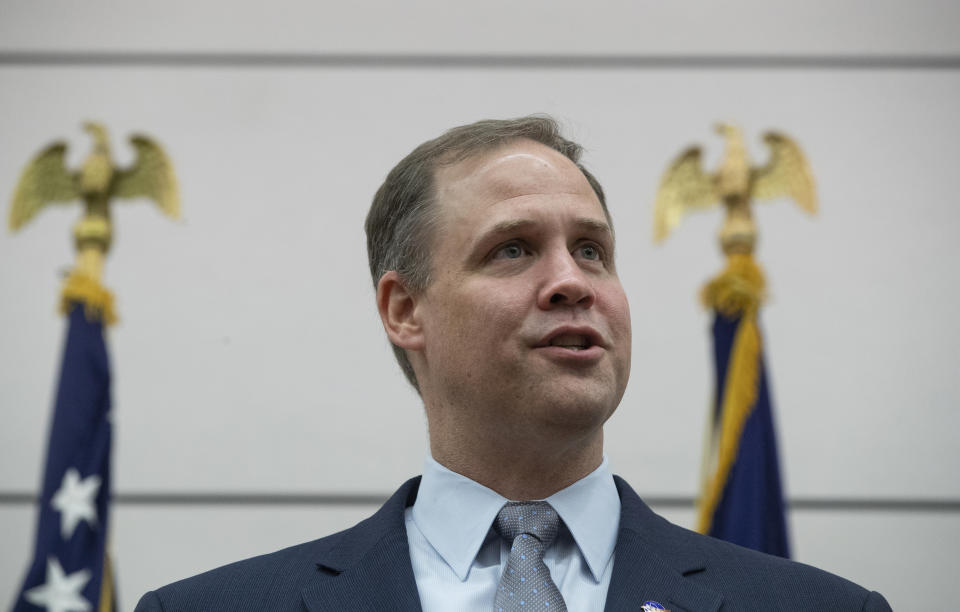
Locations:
61 593
75 501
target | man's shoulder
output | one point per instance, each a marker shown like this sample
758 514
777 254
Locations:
745 578
748 575
270 581
274 581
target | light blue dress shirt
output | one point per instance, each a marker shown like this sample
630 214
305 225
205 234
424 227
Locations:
458 558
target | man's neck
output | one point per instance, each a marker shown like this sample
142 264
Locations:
521 471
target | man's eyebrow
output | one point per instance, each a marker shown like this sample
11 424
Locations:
499 229
505 227
595 225
510 225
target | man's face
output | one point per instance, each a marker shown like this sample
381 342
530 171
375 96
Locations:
525 322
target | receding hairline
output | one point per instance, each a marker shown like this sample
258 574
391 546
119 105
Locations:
472 160
464 155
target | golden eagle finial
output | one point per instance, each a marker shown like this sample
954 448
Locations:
685 186
46 180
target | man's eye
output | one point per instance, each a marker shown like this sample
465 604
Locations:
510 251
591 252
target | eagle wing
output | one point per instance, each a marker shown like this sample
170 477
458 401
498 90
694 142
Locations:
684 186
150 176
44 180
786 174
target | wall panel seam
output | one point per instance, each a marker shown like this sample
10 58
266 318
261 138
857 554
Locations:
465 61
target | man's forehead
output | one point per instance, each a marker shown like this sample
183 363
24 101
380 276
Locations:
518 168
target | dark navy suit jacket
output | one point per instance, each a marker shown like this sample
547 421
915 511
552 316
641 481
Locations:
367 567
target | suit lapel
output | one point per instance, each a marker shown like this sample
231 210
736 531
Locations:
652 563
382 580
368 566
640 575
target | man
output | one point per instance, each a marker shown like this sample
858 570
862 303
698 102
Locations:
492 253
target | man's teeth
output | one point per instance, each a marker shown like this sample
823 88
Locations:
570 341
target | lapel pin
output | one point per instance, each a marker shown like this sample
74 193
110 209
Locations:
653 606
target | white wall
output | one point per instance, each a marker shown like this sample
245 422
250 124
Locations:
250 359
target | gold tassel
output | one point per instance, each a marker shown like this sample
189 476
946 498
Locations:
737 292
96 299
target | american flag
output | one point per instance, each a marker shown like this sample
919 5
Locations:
70 571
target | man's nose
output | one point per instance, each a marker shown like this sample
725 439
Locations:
566 284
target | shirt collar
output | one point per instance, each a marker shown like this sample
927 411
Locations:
590 508
455 513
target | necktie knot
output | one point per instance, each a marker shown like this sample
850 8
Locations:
528 519
529 528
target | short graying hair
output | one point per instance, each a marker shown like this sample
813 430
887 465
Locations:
402 217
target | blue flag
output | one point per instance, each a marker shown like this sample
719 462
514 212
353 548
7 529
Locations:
743 496
70 570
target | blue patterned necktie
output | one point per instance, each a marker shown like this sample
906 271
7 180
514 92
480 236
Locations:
530 527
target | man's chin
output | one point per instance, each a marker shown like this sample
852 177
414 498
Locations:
579 406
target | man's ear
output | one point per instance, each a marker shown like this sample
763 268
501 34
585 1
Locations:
398 312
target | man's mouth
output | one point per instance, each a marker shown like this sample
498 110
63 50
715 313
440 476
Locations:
573 342
573 338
